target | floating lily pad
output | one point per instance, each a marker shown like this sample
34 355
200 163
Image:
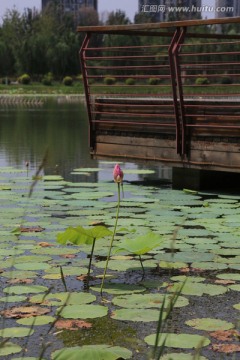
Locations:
125 265
209 324
32 266
87 170
117 288
135 315
9 348
55 250
139 171
25 289
67 298
32 258
234 287
229 276
208 266
92 352
16 332
198 289
36 320
82 311
142 301
237 306
172 265
181 341
18 274
13 298
181 356
27 358
52 177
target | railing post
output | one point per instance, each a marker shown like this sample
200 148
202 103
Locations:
174 88
82 57
176 50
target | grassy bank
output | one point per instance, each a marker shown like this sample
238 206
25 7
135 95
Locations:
77 88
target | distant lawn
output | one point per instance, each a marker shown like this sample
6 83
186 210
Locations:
100 89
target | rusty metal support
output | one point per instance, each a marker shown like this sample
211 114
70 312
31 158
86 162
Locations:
82 56
176 50
171 50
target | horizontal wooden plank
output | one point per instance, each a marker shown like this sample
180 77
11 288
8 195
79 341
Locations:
202 155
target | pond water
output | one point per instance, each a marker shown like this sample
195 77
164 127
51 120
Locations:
28 130
181 236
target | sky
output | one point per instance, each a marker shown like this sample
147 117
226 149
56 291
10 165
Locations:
129 6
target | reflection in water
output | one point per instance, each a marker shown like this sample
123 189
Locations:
60 127
25 134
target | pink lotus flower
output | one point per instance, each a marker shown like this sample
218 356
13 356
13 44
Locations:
117 174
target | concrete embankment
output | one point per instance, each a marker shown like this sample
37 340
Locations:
29 100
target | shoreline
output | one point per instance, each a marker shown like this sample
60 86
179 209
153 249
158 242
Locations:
39 99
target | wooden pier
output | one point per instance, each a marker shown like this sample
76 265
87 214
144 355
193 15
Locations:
182 105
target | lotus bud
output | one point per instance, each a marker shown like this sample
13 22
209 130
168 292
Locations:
117 174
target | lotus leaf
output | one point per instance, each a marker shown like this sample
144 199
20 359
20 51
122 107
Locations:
172 265
181 356
229 276
125 265
117 288
140 301
13 298
80 235
67 298
32 266
36 320
210 324
136 315
208 265
237 306
142 244
182 341
19 274
9 348
234 287
198 289
16 332
27 358
82 311
92 352
25 289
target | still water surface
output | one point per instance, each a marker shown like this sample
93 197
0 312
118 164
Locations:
27 131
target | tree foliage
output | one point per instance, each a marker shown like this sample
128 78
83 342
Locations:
38 43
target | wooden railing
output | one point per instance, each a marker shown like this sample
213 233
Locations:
184 85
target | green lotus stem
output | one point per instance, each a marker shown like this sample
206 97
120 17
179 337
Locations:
111 244
63 279
140 259
90 260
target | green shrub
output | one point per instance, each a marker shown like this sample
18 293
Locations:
47 79
226 80
24 79
68 81
108 80
202 81
79 77
130 81
153 81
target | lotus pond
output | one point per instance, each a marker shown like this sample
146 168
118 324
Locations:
48 312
